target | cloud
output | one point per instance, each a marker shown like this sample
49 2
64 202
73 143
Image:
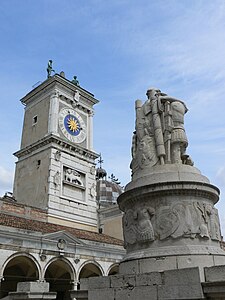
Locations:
222 225
195 36
6 180
220 175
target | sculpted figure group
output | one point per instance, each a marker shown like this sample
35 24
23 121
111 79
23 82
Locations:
159 136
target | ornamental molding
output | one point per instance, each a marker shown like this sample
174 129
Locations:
162 189
59 144
63 84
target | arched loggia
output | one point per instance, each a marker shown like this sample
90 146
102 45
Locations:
60 276
20 268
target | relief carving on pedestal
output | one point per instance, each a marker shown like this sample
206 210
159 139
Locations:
215 225
180 220
137 226
212 219
188 220
167 222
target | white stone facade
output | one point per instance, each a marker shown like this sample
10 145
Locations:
49 152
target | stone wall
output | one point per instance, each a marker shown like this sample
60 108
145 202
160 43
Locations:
168 285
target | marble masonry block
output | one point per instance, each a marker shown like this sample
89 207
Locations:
100 282
137 293
180 292
216 273
181 284
219 260
101 294
186 276
35 287
148 279
129 267
84 283
157 264
120 281
199 261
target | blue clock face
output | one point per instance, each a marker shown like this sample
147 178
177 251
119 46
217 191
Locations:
72 124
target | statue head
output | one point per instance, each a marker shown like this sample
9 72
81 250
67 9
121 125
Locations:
151 92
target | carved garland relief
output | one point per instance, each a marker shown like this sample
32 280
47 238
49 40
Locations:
190 220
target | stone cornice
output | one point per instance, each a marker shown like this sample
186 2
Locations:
60 144
180 188
57 81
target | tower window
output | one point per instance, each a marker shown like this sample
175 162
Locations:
35 119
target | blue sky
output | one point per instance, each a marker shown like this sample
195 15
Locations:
118 49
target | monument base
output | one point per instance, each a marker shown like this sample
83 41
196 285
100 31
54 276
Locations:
170 221
164 263
180 284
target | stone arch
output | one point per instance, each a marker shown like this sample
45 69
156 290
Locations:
18 267
90 268
60 274
113 270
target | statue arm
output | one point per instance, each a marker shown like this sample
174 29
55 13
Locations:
165 98
168 98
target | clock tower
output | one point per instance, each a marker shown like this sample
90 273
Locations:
55 170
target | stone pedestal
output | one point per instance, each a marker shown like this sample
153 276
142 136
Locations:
180 284
32 290
170 221
168 285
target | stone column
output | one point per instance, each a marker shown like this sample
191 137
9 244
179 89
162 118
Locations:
90 130
53 113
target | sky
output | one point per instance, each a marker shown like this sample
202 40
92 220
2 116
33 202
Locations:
118 49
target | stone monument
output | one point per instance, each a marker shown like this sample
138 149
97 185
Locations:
169 221
171 227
